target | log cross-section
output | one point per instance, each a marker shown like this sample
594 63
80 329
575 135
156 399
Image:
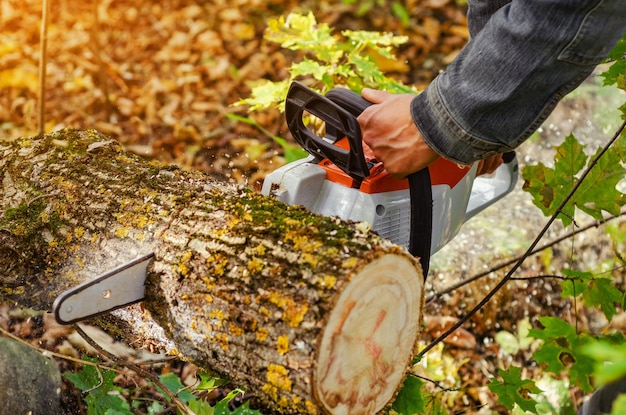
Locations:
312 314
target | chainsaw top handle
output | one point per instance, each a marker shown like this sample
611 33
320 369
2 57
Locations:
338 109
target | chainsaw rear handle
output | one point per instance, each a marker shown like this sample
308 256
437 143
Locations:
352 102
339 123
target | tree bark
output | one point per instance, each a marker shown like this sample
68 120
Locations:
312 314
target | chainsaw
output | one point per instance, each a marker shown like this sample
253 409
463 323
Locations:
340 177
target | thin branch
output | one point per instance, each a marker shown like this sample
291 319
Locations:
137 369
46 352
568 235
529 251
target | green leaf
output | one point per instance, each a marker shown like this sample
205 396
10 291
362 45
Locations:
513 390
610 358
619 405
303 32
601 293
562 349
598 193
310 67
410 400
596 291
106 404
575 284
266 95
554 327
173 383
245 410
200 407
401 12
618 68
209 382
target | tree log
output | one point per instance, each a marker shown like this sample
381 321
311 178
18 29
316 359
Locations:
313 314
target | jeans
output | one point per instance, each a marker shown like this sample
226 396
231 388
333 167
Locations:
523 57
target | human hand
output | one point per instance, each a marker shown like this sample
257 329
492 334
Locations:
489 165
388 129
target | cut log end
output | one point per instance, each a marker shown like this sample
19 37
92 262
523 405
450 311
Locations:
365 348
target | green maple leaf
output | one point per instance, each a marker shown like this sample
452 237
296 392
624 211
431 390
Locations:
618 68
601 293
550 186
553 327
609 355
598 193
562 350
410 400
576 282
173 383
619 405
596 291
514 390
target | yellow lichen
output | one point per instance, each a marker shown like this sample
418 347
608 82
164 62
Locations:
311 259
186 256
277 375
235 330
44 217
270 390
121 232
261 334
183 269
278 299
255 265
294 313
79 232
310 407
329 281
350 262
218 317
19 230
222 339
282 344
260 249
182 266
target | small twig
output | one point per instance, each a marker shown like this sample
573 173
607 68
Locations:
511 261
46 352
434 382
137 369
540 277
100 382
530 249
33 200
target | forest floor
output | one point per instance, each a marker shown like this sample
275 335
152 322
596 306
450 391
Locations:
161 77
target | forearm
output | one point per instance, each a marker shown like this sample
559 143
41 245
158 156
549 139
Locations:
513 72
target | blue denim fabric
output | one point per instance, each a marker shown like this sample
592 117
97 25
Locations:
522 58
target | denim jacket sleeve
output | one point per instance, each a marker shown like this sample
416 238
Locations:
522 58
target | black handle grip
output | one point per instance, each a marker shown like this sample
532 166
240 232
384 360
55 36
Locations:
339 123
352 102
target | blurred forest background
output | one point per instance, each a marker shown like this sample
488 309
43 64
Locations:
161 76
